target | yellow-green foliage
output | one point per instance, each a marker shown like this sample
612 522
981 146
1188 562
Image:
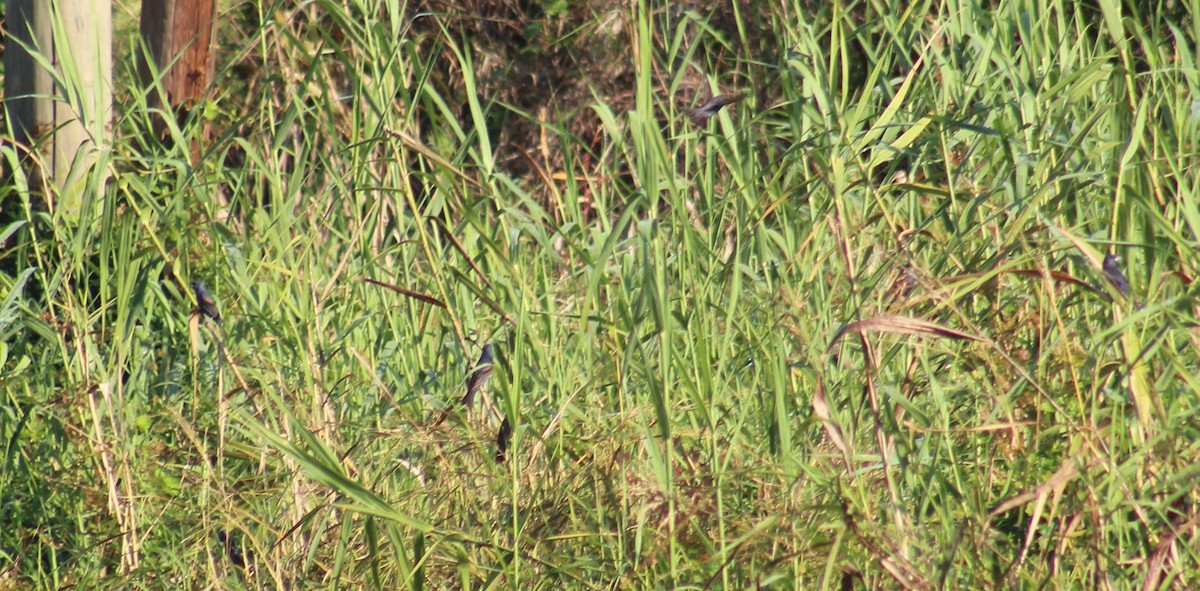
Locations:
856 331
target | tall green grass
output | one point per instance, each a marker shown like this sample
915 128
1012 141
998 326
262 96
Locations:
852 333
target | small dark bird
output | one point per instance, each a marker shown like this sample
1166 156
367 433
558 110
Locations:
207 305
479 376
475 381
700 115
1112 270
232 548
502 439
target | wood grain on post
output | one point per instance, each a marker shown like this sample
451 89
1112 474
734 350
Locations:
179 36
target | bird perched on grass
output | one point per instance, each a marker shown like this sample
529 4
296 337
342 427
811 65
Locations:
207 306
479 376
232 548
700 115
475 381
503 437
1112 270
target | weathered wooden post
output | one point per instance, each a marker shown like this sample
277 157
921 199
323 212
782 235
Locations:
58 88
179 37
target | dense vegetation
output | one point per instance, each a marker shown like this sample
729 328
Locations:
859 330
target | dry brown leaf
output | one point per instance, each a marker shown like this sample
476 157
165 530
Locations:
407 292
1156 565
416 145
821 410
900 325
1053 487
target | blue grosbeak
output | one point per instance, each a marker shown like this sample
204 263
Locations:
475 381
502 439
479 377
1112 269
700 115
207 305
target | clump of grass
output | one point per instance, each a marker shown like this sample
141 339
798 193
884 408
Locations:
854 330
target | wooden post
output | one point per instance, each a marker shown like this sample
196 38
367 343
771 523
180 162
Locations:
179 36
73 102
